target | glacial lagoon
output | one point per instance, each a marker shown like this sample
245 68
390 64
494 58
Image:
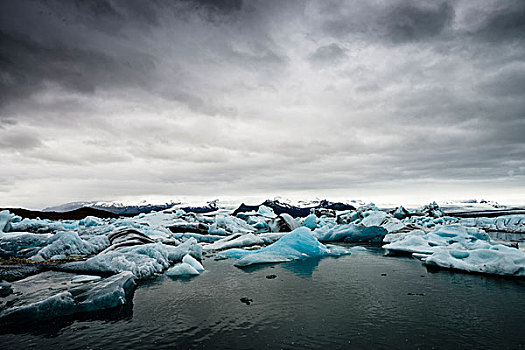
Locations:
362 300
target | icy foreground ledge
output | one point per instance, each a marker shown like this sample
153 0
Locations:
298 244
46 298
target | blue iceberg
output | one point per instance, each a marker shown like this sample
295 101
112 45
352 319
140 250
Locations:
298 244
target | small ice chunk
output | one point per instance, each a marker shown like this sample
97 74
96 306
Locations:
266 212
5 220
358 249
190 260
310 221
373 218
182 269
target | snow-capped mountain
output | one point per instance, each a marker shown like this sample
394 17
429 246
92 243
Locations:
117 207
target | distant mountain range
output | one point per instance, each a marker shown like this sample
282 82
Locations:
115 207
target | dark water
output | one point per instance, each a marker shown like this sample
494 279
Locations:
343 303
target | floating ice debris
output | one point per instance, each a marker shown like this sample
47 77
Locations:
298 244
190 260
182 269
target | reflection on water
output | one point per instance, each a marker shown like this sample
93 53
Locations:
365 300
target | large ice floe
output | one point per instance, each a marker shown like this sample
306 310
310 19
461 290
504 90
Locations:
462 248
102 257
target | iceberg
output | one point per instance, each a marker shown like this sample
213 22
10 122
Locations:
310 221
266 212
182 269
298 244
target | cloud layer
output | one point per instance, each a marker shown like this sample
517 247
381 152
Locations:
346 99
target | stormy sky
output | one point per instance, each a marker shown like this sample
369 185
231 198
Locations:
396 100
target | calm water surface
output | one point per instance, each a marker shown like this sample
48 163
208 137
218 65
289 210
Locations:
365 300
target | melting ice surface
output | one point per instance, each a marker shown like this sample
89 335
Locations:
104 258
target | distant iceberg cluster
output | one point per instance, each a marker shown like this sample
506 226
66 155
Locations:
101 258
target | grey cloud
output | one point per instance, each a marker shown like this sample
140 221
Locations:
412 21
504 22
27 65
328 55
188 97
19 140
393 21
508 82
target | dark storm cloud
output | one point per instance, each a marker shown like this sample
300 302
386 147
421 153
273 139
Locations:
28 64
115 98
414 21
503 22
392 21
